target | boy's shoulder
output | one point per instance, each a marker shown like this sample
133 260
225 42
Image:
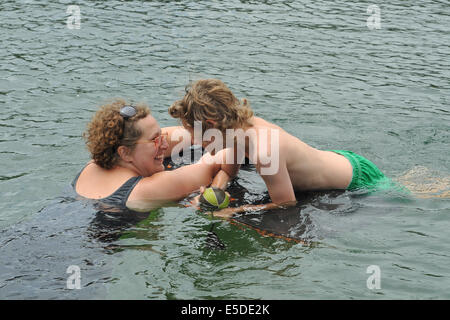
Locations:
261 123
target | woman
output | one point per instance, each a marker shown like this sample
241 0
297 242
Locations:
127 148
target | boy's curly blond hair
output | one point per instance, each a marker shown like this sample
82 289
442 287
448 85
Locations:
211 99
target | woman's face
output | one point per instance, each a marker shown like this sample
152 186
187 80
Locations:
148 154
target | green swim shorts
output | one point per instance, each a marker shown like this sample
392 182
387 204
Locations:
365 174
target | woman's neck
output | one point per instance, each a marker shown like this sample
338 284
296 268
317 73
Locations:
127 166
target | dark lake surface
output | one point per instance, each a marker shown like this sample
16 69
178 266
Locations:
314 68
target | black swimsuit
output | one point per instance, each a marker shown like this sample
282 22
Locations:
120 196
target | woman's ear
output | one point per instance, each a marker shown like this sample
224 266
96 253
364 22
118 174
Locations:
124 153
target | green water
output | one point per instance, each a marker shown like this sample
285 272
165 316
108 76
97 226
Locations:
314 68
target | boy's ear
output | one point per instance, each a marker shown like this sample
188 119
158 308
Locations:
210 122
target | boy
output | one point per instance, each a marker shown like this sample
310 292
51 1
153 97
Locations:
298 166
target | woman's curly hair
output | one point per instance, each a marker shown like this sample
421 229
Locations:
211 99
108 130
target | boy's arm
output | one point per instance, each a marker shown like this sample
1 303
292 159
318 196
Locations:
221 180
280 190
224 176
280 186
229 212
226 173
227 170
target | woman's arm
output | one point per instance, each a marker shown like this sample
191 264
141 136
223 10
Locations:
178 183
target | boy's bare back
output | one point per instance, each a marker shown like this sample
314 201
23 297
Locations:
307 167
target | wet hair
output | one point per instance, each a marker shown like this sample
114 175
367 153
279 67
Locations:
211 99
108 130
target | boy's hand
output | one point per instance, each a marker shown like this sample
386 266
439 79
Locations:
226 213
195 202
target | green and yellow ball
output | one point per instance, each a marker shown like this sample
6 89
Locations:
214 198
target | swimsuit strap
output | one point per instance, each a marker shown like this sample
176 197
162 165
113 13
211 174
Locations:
120 196
75 180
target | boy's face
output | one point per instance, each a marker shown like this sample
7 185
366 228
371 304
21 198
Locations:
197 135
197 140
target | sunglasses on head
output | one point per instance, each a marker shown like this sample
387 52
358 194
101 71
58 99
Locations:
128 111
